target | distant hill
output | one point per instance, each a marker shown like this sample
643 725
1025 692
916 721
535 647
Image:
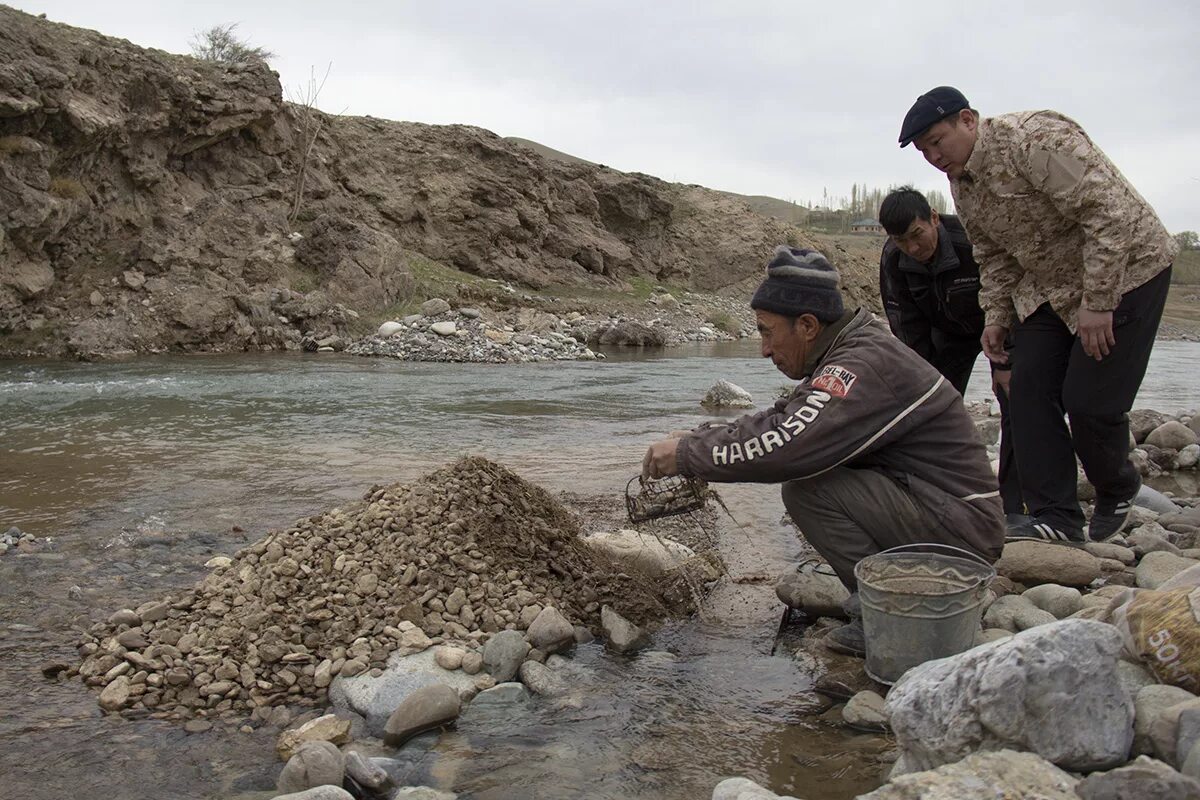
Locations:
549 152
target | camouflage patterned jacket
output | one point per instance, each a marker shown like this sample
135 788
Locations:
1053 220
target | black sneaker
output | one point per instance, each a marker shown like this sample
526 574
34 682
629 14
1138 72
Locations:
1037 531
849 639
1108 523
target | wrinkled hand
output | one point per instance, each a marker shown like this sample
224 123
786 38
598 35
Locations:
993 343
1000 381
1095 332
660 459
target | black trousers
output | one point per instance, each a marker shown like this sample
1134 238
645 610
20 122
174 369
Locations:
955 360
1052 376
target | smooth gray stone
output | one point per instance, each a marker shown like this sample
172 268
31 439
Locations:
428 707
1053 690
502 694
550 631
318 793
503 654
314 764
1143 778
374 699
982 776
1154 500
623 636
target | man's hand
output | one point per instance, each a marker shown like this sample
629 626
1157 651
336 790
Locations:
1000 381
660 459
1095 331
993 343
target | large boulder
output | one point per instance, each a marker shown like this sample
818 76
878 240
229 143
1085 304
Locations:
1142 421
628 333
725 394
434 306
983 776
1054 690
1033 563
425 709
1171 435
648 554
375 698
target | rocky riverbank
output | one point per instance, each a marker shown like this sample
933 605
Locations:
468 334
1080 683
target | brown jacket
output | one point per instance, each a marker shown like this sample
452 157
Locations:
1053 220
869 403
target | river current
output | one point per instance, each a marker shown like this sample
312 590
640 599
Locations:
140 471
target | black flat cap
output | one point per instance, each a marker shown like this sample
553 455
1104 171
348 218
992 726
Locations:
933 106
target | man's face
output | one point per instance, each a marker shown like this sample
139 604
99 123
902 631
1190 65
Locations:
947 145
920 241
786 340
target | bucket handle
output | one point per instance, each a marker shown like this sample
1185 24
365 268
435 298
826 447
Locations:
937 545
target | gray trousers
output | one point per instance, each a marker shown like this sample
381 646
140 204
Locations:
848 514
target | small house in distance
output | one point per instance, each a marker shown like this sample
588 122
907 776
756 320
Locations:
865 226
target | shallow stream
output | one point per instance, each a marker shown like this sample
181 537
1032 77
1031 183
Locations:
140 471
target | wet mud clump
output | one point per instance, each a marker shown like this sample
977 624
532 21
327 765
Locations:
464 552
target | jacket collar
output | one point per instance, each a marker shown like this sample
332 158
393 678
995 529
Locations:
833 333
944 258
978 158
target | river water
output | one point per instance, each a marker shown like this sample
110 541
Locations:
140 471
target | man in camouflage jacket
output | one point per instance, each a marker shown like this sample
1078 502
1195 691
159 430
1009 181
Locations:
1076 265
873 447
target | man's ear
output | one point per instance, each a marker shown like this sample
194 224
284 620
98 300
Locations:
933 217
809 325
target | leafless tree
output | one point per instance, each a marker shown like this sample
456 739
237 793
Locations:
308 126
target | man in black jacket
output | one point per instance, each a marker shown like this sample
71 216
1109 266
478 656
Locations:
929 283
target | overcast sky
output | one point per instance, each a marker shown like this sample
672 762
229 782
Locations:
784 98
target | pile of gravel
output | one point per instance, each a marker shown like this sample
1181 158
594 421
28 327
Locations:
466 551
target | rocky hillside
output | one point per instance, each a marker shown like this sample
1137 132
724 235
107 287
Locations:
150 201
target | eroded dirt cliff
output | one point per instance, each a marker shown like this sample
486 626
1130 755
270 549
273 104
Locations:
148 203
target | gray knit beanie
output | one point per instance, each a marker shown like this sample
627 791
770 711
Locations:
800 281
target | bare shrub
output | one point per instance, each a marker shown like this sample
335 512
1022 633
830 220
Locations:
220 43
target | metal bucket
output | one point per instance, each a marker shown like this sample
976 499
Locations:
919 605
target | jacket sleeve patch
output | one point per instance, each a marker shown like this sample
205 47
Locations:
836 381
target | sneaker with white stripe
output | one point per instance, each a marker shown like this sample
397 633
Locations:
1038 531
1107 525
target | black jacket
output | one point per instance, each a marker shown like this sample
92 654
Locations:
934 308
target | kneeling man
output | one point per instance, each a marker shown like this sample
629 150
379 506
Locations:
873 447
